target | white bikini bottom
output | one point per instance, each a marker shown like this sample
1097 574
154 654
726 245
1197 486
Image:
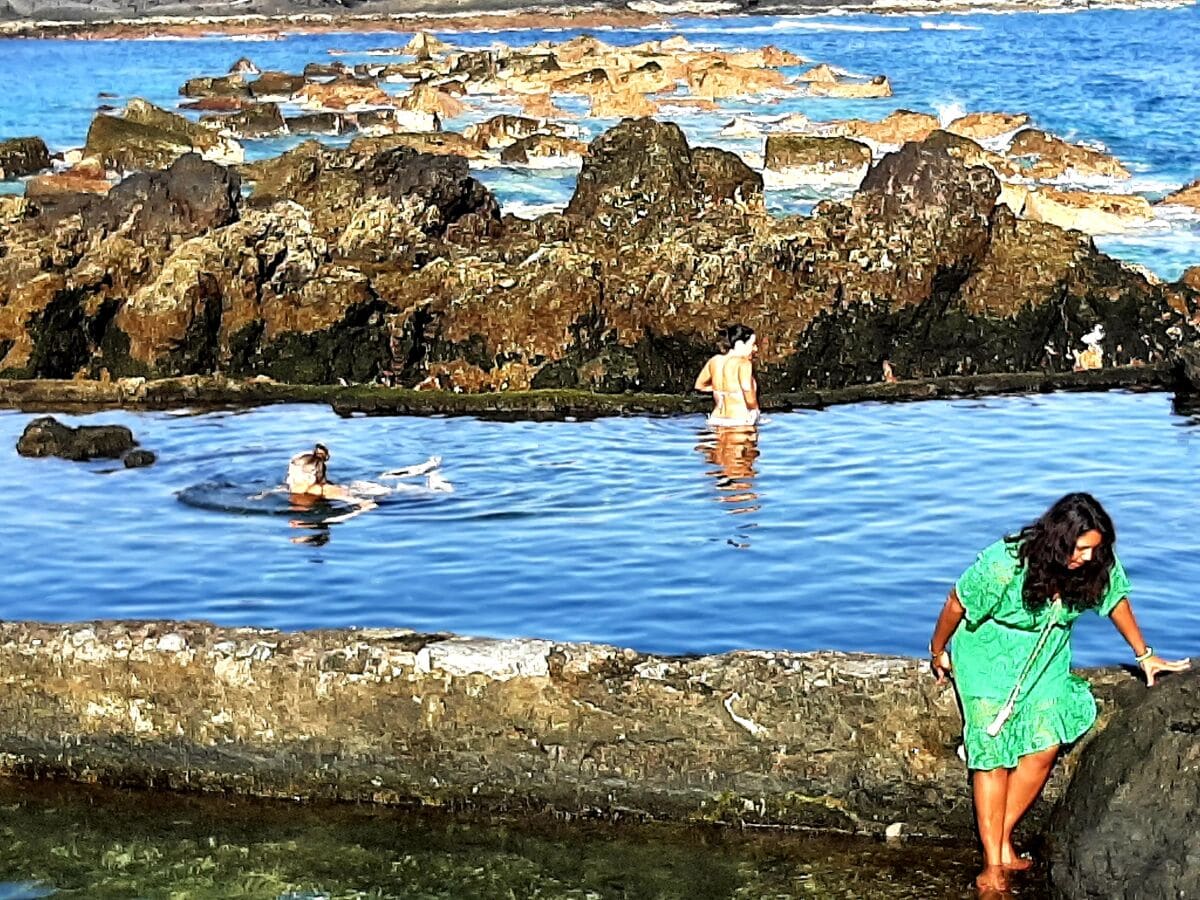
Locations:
749 417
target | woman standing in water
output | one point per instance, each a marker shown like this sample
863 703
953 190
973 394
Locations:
1010 616
730 378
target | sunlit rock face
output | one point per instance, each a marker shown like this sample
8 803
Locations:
389 259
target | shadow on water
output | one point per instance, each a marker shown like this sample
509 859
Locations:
74 841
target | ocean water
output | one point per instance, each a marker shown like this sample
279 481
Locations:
1122 79
839 529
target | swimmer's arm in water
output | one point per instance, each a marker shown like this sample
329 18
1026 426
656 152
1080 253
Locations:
410 471
337 492
748 383
704 380
360 506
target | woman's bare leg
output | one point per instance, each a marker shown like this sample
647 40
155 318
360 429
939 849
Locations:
1024 784
991 801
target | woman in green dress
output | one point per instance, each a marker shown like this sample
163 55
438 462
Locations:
1010 617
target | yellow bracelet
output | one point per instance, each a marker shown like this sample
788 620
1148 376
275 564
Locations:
1145 655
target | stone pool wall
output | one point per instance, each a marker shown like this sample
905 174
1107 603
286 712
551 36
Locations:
822 740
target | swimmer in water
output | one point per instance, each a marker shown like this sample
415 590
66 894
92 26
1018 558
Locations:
730 378
308 476
308 480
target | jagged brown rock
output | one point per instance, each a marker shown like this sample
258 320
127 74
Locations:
146 137
1052 157
23 156
379 260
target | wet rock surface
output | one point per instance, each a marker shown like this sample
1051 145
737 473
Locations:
848 742
380 262
23 156
1129 824
146 137
46 436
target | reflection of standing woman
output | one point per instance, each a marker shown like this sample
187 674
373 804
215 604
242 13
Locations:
1011 615
730 377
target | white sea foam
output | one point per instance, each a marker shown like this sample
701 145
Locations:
786 179
524 210
551 163
949 111
682 7
948 26
1178 216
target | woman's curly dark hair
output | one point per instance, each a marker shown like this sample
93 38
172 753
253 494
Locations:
1044 548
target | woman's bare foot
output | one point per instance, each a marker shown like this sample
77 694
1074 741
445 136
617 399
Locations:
1013 861
992 878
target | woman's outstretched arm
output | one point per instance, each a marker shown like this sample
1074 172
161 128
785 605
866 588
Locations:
1126 623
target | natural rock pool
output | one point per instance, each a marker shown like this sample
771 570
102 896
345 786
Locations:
838 529
67 841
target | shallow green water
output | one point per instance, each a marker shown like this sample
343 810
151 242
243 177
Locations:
72 841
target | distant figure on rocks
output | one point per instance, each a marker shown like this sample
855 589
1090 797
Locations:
730 378
1010 616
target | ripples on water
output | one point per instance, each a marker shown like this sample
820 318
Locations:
835 529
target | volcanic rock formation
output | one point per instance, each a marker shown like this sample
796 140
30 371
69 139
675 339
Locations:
382 262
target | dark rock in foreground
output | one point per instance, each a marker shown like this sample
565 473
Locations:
46 436
1129 824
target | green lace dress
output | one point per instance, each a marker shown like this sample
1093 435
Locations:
989 650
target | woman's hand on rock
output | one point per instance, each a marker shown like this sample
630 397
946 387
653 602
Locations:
941 666
1156 664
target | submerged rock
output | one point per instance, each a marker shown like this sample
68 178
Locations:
138 459
46 436
1131 814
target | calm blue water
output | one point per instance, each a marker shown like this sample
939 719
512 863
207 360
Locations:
1122 78
840 529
